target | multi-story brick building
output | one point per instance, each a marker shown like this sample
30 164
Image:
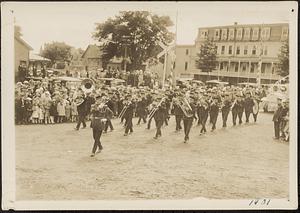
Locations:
239 50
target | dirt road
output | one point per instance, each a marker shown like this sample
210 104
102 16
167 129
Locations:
53 163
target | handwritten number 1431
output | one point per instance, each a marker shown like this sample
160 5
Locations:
257 202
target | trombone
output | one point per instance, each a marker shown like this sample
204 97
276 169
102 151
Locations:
153 111
124 109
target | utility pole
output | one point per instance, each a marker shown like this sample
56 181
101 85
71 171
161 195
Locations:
258 80
174 62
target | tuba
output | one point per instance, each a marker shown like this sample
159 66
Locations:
87 85
186 107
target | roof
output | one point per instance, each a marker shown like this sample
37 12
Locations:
94 50
243 25
23 42
36 57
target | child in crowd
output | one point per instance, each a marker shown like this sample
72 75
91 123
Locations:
52 111
28 110
74 112
35 112
68 111
41 113
61 110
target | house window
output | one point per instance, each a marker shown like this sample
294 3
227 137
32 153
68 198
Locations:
238 50
239 34
265 33
244 67
221 66
230 50
266 50
236 67
187 51
252 68
254 50
186 66
273 69
231 34
224 34
223 50
255 34
284 34
263 68
174 65
217 34
203 34
246 50
247 34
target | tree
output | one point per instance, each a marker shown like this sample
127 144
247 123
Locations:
207 57
136 31
283 56
56 51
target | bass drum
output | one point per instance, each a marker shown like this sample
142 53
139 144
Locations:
255 107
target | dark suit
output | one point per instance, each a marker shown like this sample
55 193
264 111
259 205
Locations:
248 105
213 113
159 117
204 116
81 109
237 111
178 116
98 125
128 115
188 121
277 119
225 111
141 110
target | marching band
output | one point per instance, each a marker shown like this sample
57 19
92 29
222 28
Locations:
186 105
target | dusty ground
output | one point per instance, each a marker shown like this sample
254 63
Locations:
53 163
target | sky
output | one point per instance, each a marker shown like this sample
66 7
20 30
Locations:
74 23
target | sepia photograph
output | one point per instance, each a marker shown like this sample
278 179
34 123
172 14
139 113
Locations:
149 105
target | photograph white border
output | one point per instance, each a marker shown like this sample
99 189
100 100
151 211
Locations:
8 134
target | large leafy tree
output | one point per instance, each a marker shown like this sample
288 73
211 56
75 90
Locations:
207 56
56 51
138 32
283 56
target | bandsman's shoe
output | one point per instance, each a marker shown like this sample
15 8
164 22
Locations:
92 155
76 129
155 137
125 134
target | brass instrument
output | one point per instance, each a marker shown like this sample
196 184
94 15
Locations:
153 111
78 99
87 85
185 107
124 109
234 103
